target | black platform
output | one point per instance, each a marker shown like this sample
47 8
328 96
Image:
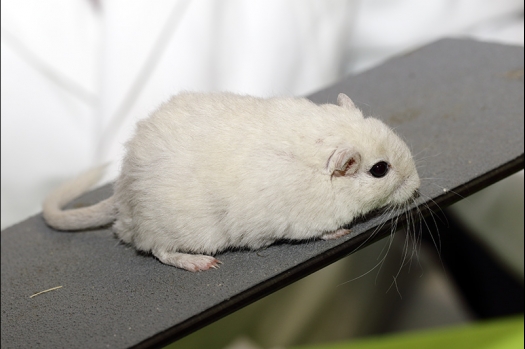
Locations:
457 103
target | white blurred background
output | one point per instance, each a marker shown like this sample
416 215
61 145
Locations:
78 74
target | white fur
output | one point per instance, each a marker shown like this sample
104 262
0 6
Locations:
81 218
207 172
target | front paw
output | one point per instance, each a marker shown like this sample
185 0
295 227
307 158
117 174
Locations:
335 234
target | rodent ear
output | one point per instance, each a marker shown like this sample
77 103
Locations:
343 162
345 101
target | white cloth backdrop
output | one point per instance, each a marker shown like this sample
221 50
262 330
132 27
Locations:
78 74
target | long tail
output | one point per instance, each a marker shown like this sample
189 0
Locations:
97 215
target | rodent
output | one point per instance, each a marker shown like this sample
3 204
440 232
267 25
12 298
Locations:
211 171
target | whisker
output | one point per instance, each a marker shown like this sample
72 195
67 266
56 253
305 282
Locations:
437 244
391 239
437 205
389 213
449 190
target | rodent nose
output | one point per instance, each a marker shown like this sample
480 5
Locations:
416 194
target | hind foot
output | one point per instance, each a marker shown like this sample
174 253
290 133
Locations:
190 262
335 234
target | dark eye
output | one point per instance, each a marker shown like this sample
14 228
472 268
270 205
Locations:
380 169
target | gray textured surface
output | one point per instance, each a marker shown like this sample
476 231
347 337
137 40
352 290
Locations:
459 105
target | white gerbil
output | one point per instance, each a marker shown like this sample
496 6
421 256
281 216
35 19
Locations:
208 172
